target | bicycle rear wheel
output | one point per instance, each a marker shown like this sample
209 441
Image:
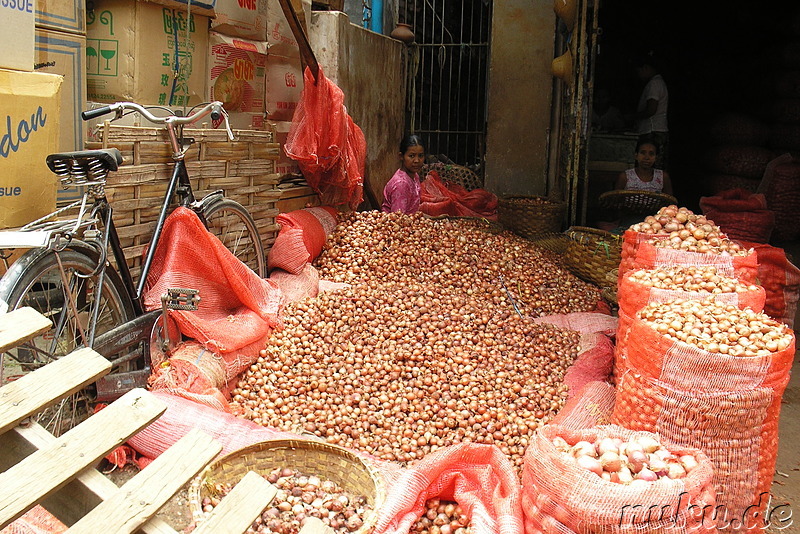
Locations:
35 280
233 225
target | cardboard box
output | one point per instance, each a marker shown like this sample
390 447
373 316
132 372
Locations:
241 18
279 35
237 78
130 48
16 34
284 85
28 133
62 15
65 54
285 165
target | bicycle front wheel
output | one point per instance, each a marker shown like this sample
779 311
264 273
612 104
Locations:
233 225
67 297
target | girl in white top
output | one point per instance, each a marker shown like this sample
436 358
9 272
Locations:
644 176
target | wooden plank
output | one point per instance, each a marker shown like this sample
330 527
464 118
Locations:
239 508
314 525
142 496
44 387
48 469
20 325
78 497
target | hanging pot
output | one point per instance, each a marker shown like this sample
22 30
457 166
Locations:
567 10
562 67
403 32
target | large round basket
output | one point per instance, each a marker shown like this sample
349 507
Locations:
593 253
531 216
329 462
457 174
636 202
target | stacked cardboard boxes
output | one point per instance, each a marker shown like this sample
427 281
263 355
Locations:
29 122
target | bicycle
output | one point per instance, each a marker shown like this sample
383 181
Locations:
68 277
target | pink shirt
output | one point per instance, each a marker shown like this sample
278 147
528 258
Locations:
401 193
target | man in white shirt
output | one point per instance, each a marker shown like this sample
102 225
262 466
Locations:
651 113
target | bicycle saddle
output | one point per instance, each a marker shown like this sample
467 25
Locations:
110 158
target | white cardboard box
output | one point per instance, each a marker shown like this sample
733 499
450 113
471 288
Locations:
16 34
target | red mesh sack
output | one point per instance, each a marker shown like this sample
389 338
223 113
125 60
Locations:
745 268
631 241
329 147
560 496
747 161
589 407
301 238
781 281
742 215
37 520
781 187
716 183
480 478
632 296
237 311
445 198
724 405
297 286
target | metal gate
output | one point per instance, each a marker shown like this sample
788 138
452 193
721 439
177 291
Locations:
448 77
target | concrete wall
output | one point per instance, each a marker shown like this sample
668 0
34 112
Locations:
368 67
520 89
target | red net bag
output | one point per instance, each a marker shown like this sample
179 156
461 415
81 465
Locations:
480 478
440 198
727 406
329 147
301 238
560 496
745 268
37 520
781 281
631 241
237 311
636 291
589 407
742 215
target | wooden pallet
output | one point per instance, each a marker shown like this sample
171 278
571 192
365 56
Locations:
58 472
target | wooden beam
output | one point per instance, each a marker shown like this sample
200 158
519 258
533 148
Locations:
239 508
142 496
78 497
21 325
49 384
50 468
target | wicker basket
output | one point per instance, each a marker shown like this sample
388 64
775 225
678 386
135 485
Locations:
457 174
593 253
636 202
531 216
324 460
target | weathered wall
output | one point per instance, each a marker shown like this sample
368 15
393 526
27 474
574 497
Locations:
520 87
368 67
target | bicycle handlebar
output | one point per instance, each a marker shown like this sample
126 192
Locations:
215 109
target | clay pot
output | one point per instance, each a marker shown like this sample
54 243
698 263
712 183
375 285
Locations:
567 10
562 67
403 32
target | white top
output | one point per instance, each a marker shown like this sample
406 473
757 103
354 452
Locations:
656 89
634 182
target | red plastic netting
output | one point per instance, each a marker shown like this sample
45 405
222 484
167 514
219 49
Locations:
781 281
37 520
237 311
727 406
741 214
648 256
440 198
329 147
559 496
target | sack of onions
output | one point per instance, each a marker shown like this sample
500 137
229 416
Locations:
645 286
710 375
612 480
655 227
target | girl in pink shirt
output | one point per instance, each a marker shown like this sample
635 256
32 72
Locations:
402 192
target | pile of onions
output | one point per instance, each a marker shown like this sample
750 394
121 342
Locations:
703 278
442 517
431 345
636 462
717 327
300 496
